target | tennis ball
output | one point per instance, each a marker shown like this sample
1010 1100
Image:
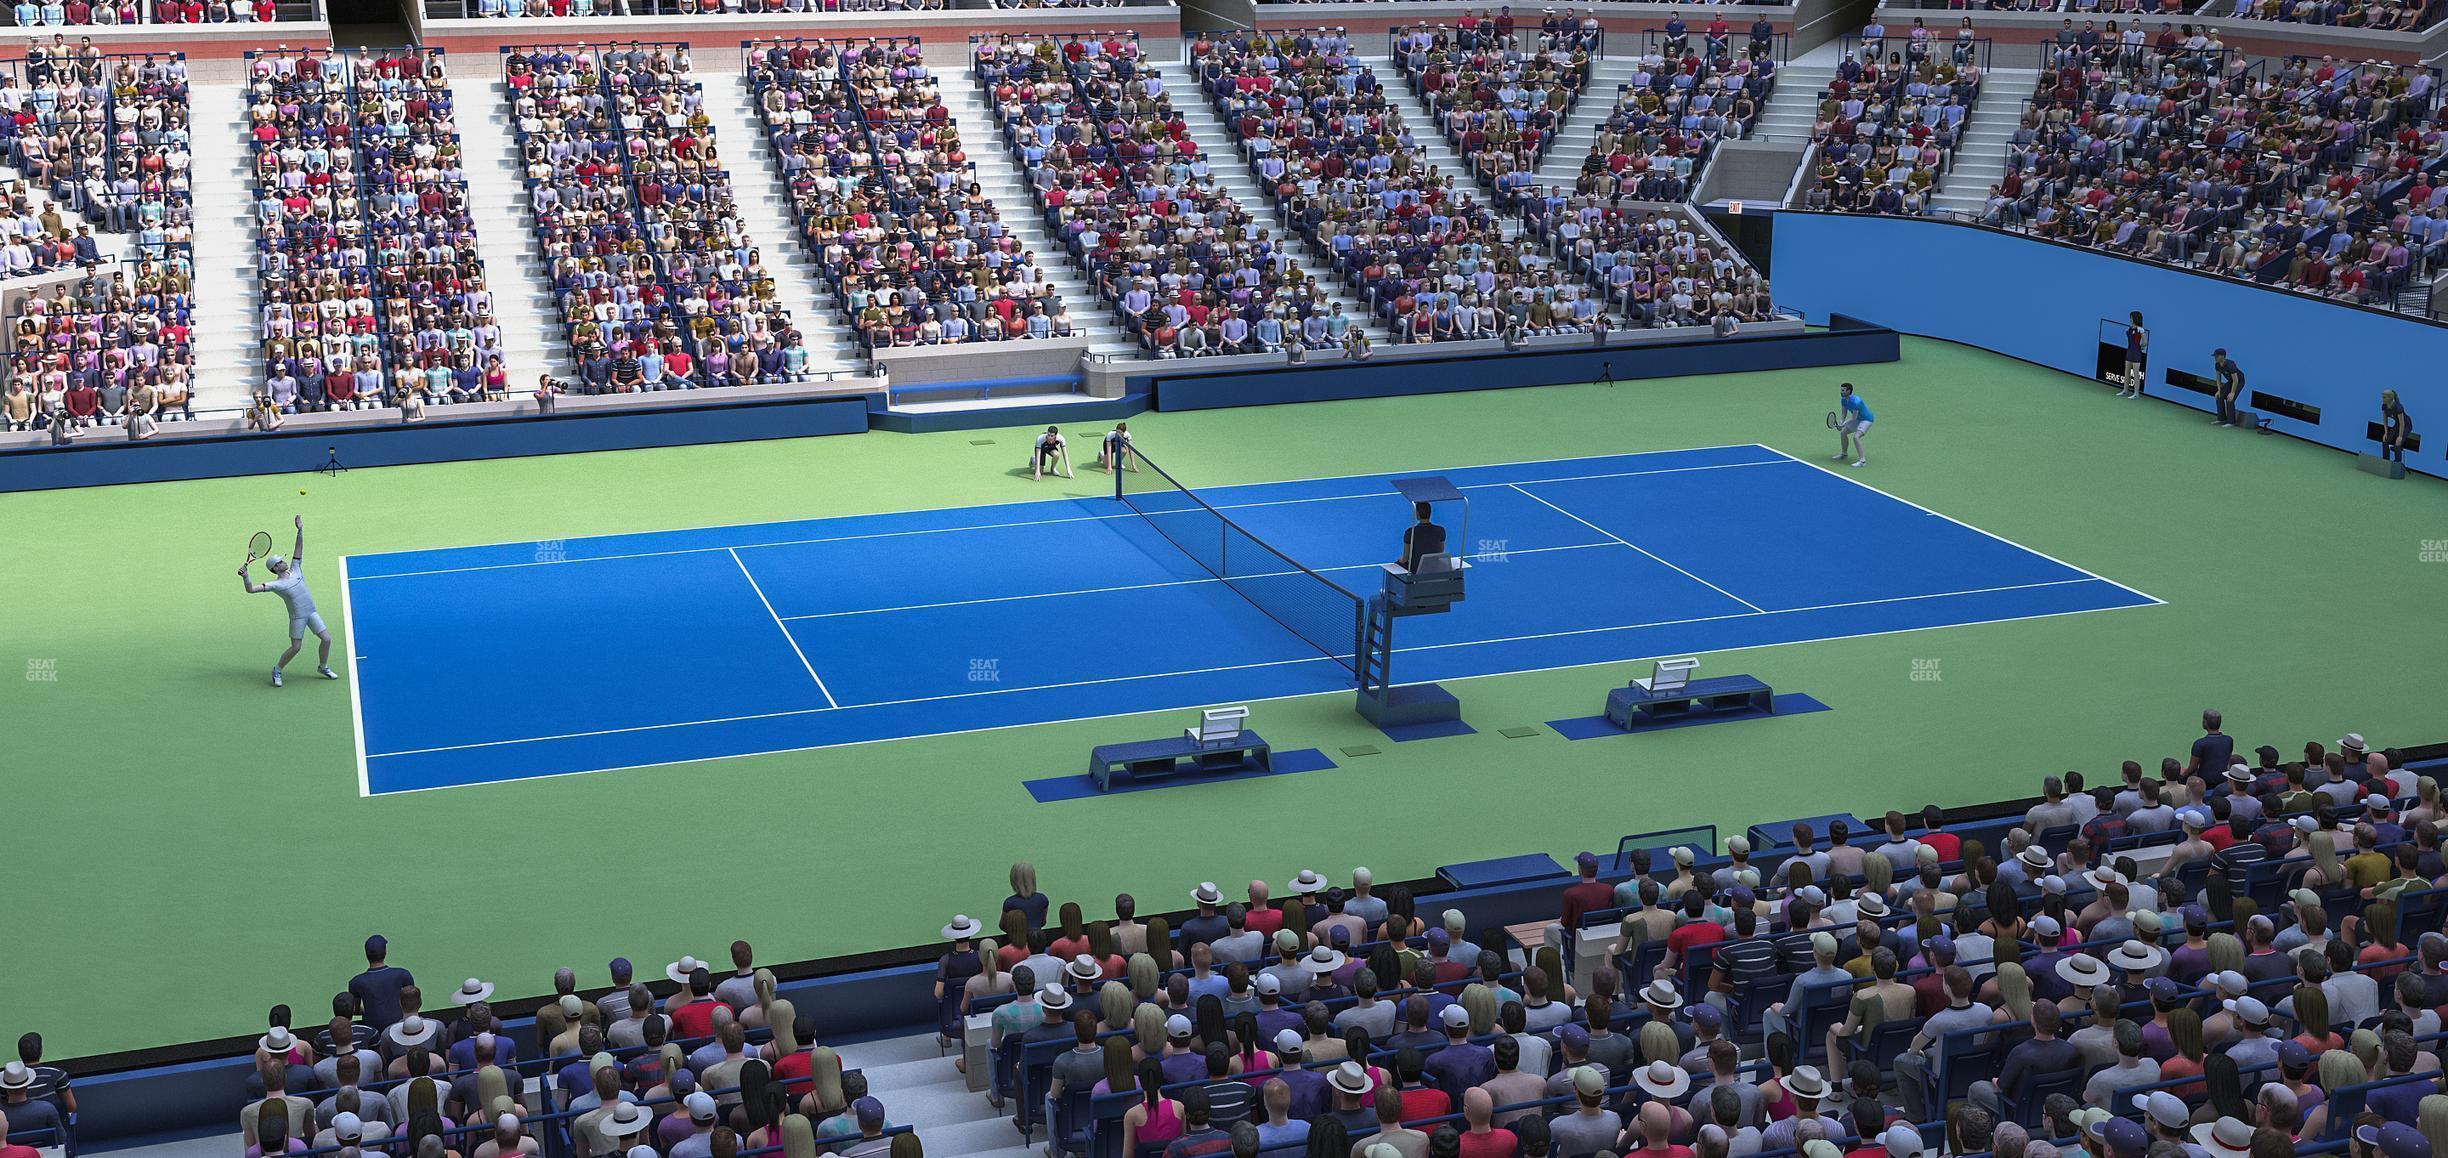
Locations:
301 492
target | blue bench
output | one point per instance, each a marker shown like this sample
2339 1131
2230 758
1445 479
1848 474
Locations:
1632 705
1157 759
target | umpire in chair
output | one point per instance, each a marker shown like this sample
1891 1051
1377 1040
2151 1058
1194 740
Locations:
1422 537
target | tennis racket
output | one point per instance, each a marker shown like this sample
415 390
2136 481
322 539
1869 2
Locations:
259 546
1834 420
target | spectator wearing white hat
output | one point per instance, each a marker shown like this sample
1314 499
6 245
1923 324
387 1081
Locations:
703 1118
348 1129
1462 1063
1292 976
1807 1090
2253 1046
2164 1115
2196 822
42 1121
1738 852
692 1009
1683 880
1305 1087
610 1130
1208 923
1590 1126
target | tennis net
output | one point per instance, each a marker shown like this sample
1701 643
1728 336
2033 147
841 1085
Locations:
1307 604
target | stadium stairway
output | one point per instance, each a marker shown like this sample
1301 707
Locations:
1233 174
1980 158
990 159
1561 168
918 1086
533 339
764 209
228 346
1432 143
1794 104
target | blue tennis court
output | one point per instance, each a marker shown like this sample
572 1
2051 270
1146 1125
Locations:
477 665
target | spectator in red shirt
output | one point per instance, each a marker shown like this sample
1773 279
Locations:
1585 895
1420 1101
695 1016
1696 929
1262 917
1949 846
1654 1123
1484 1139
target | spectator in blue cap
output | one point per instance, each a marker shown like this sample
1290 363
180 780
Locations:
377 990
2123 1137
1572 1047
1585 895
614 1006
2393 1140
872 1143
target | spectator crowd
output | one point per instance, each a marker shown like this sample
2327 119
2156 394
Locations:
660 286
2239 955
106 136
886 200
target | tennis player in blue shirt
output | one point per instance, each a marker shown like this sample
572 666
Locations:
1853 432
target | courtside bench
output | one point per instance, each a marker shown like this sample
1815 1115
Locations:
1631 706
1142 760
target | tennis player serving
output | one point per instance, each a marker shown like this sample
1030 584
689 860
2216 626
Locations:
1852 421
289 582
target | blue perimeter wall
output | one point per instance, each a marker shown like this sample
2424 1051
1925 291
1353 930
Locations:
1324 380
101 462
2042 302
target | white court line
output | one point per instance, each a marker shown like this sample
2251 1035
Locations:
1027 522
1224 668
875 704
1151 586
1750 615
2155 600
1260 700
1228 486
786 632
1635 546
348 627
